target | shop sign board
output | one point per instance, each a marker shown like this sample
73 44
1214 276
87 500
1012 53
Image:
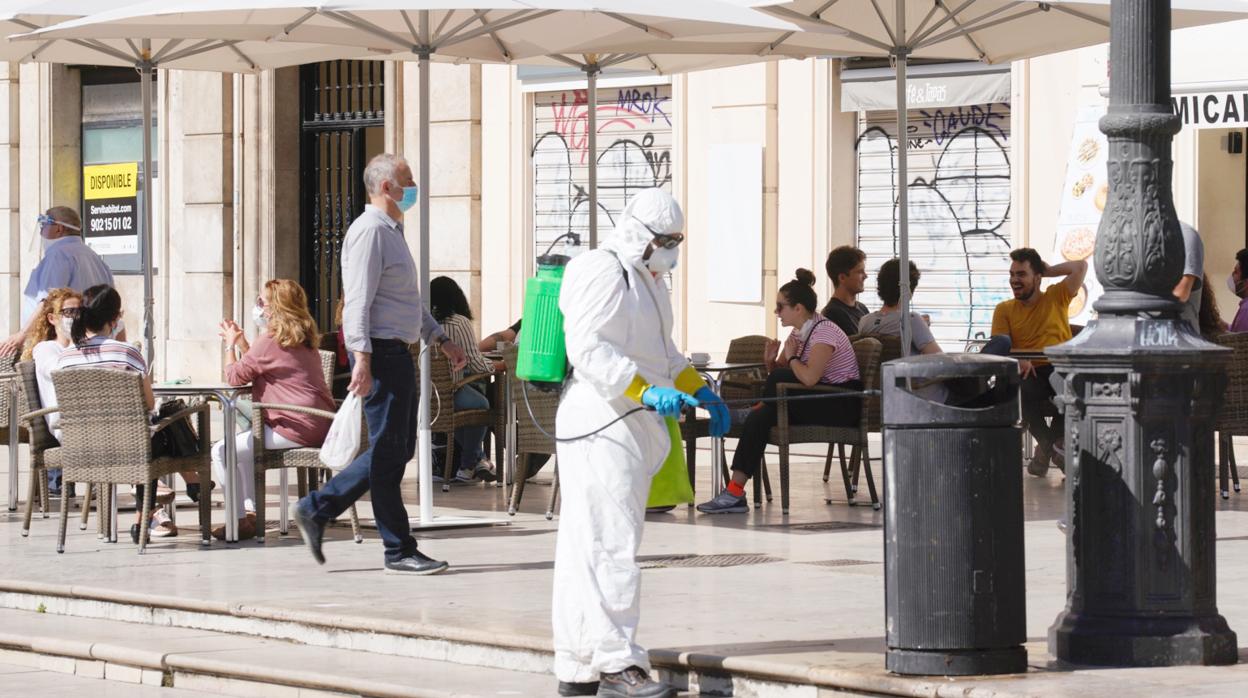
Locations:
1212 109
110 224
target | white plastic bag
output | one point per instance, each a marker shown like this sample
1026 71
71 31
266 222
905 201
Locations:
342 443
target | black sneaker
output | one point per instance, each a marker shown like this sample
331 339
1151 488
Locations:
633 682
1038 466
575 688
311 530
725 503
416 564
193 489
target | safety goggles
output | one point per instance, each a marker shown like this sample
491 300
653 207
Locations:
46 220
664 240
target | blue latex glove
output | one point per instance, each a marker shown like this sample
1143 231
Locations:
667 401
721 420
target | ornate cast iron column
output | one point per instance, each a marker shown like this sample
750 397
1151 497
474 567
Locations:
1140 388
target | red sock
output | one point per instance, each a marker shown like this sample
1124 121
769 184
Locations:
735 489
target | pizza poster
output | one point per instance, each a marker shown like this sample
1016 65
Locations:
1083 197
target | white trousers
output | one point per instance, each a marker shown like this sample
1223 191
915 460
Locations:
596 604
245 493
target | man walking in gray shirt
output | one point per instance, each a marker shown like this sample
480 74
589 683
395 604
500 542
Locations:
382 317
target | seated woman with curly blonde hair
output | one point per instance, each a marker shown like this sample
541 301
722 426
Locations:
284 367
49 334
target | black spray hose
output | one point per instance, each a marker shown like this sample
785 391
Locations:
524 388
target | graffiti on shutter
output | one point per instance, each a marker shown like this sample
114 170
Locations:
959 222
634 153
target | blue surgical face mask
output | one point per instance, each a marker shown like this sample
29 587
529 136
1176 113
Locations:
408 200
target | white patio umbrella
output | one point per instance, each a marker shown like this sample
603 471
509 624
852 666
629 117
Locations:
990 31
145 56
499 31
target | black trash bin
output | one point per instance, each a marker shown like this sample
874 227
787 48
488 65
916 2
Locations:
953 517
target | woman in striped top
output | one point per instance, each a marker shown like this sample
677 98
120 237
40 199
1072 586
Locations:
94 345
450 308
816 352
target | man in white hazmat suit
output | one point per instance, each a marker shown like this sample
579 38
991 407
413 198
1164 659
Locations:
618 322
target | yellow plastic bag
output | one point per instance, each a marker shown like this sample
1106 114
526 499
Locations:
670 485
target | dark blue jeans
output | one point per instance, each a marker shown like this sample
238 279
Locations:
390 410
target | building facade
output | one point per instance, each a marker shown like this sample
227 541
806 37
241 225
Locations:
258 176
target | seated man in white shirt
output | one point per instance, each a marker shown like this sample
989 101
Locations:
67 263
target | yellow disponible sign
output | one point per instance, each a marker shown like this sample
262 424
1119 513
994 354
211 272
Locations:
116 181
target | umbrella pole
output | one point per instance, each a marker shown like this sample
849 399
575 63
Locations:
424 435
591 73
145 88
902 53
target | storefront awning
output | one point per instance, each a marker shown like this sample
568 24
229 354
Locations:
934 90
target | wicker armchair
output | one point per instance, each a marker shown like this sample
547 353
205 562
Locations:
9 378
530 441
108 440
43 447
784 434
303 460
890 348
445 418
1232 419
740 385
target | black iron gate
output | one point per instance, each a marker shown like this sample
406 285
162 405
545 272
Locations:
339 100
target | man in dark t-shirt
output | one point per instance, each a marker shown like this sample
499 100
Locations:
847 268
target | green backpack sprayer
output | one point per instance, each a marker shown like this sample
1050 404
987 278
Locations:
543 359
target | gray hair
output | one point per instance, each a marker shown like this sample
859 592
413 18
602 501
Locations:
65 214
382 168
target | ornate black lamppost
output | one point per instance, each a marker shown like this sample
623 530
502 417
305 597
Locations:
1140 389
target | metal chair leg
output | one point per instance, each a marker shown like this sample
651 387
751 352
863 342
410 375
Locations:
855 467
149 497
554 493
758 482
784 479
44 505
86 507
30 502
866 464
691 459
449 470
60 537
283 517
766 482
1223 466
827 463
517 490
1230 451
261 502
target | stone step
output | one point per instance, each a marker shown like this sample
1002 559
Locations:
20 681
465 649
216 663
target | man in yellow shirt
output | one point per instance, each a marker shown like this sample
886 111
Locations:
1034 320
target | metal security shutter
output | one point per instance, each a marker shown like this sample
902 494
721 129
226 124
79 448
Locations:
959 211
634 153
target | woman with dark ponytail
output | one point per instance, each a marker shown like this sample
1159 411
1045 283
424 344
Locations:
816 352
94 345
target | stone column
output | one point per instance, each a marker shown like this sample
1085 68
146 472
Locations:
10 198
200 232
50 133
1140 389
455 171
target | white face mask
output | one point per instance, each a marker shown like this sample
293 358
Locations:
807 327
118 328
1230 283
67 326
257 315
663 260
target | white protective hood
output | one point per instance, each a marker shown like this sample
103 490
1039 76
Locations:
651 207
